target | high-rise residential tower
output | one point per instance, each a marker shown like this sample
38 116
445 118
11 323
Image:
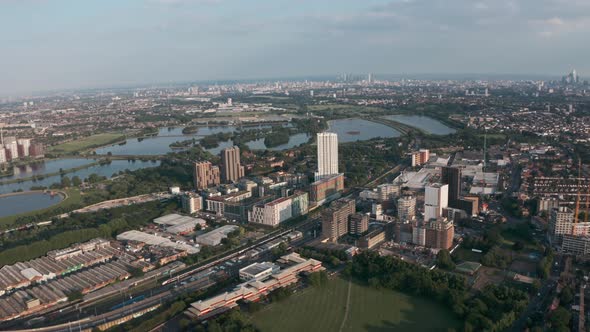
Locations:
23 146
435 200
231 168
335 219
205 175
406 208
327 155
452 177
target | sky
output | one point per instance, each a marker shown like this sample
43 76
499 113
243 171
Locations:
71 44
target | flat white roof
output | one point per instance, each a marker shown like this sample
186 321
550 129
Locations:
174 219
155 240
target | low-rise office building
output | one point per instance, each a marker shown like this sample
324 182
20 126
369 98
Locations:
258 271
326 189
254 289
275 212
191 203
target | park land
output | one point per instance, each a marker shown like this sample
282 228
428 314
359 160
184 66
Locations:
370 309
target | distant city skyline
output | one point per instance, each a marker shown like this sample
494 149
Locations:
66 44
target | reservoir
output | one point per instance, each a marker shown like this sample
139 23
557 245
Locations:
104 170
46 167
160 144
26 202
425 123
352 130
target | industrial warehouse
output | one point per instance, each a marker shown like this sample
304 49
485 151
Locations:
43 296
36 285
56 263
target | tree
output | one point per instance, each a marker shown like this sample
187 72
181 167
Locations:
136 272
76 182
65 182
444 260
518 246
75 295
560 319
567 296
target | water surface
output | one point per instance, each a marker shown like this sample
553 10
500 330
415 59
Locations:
103 170
429 125
46 167
352 130
27 202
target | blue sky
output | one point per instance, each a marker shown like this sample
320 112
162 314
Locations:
55 44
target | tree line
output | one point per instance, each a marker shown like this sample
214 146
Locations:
494 308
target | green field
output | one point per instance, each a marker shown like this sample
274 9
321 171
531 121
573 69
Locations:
86 143
73 200
467 255
324 309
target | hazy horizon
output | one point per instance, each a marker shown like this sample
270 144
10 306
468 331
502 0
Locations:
50 45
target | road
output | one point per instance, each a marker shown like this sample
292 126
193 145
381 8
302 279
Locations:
536 301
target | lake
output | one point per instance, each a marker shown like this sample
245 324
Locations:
294 140
160 144
46 167
425 123
352 130
104 170
26 202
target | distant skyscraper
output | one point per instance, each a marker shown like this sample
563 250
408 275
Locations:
231 169
205 175
435 200
327 155
452 177
571 78
370 78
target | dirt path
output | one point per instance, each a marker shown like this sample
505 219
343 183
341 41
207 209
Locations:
347 306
